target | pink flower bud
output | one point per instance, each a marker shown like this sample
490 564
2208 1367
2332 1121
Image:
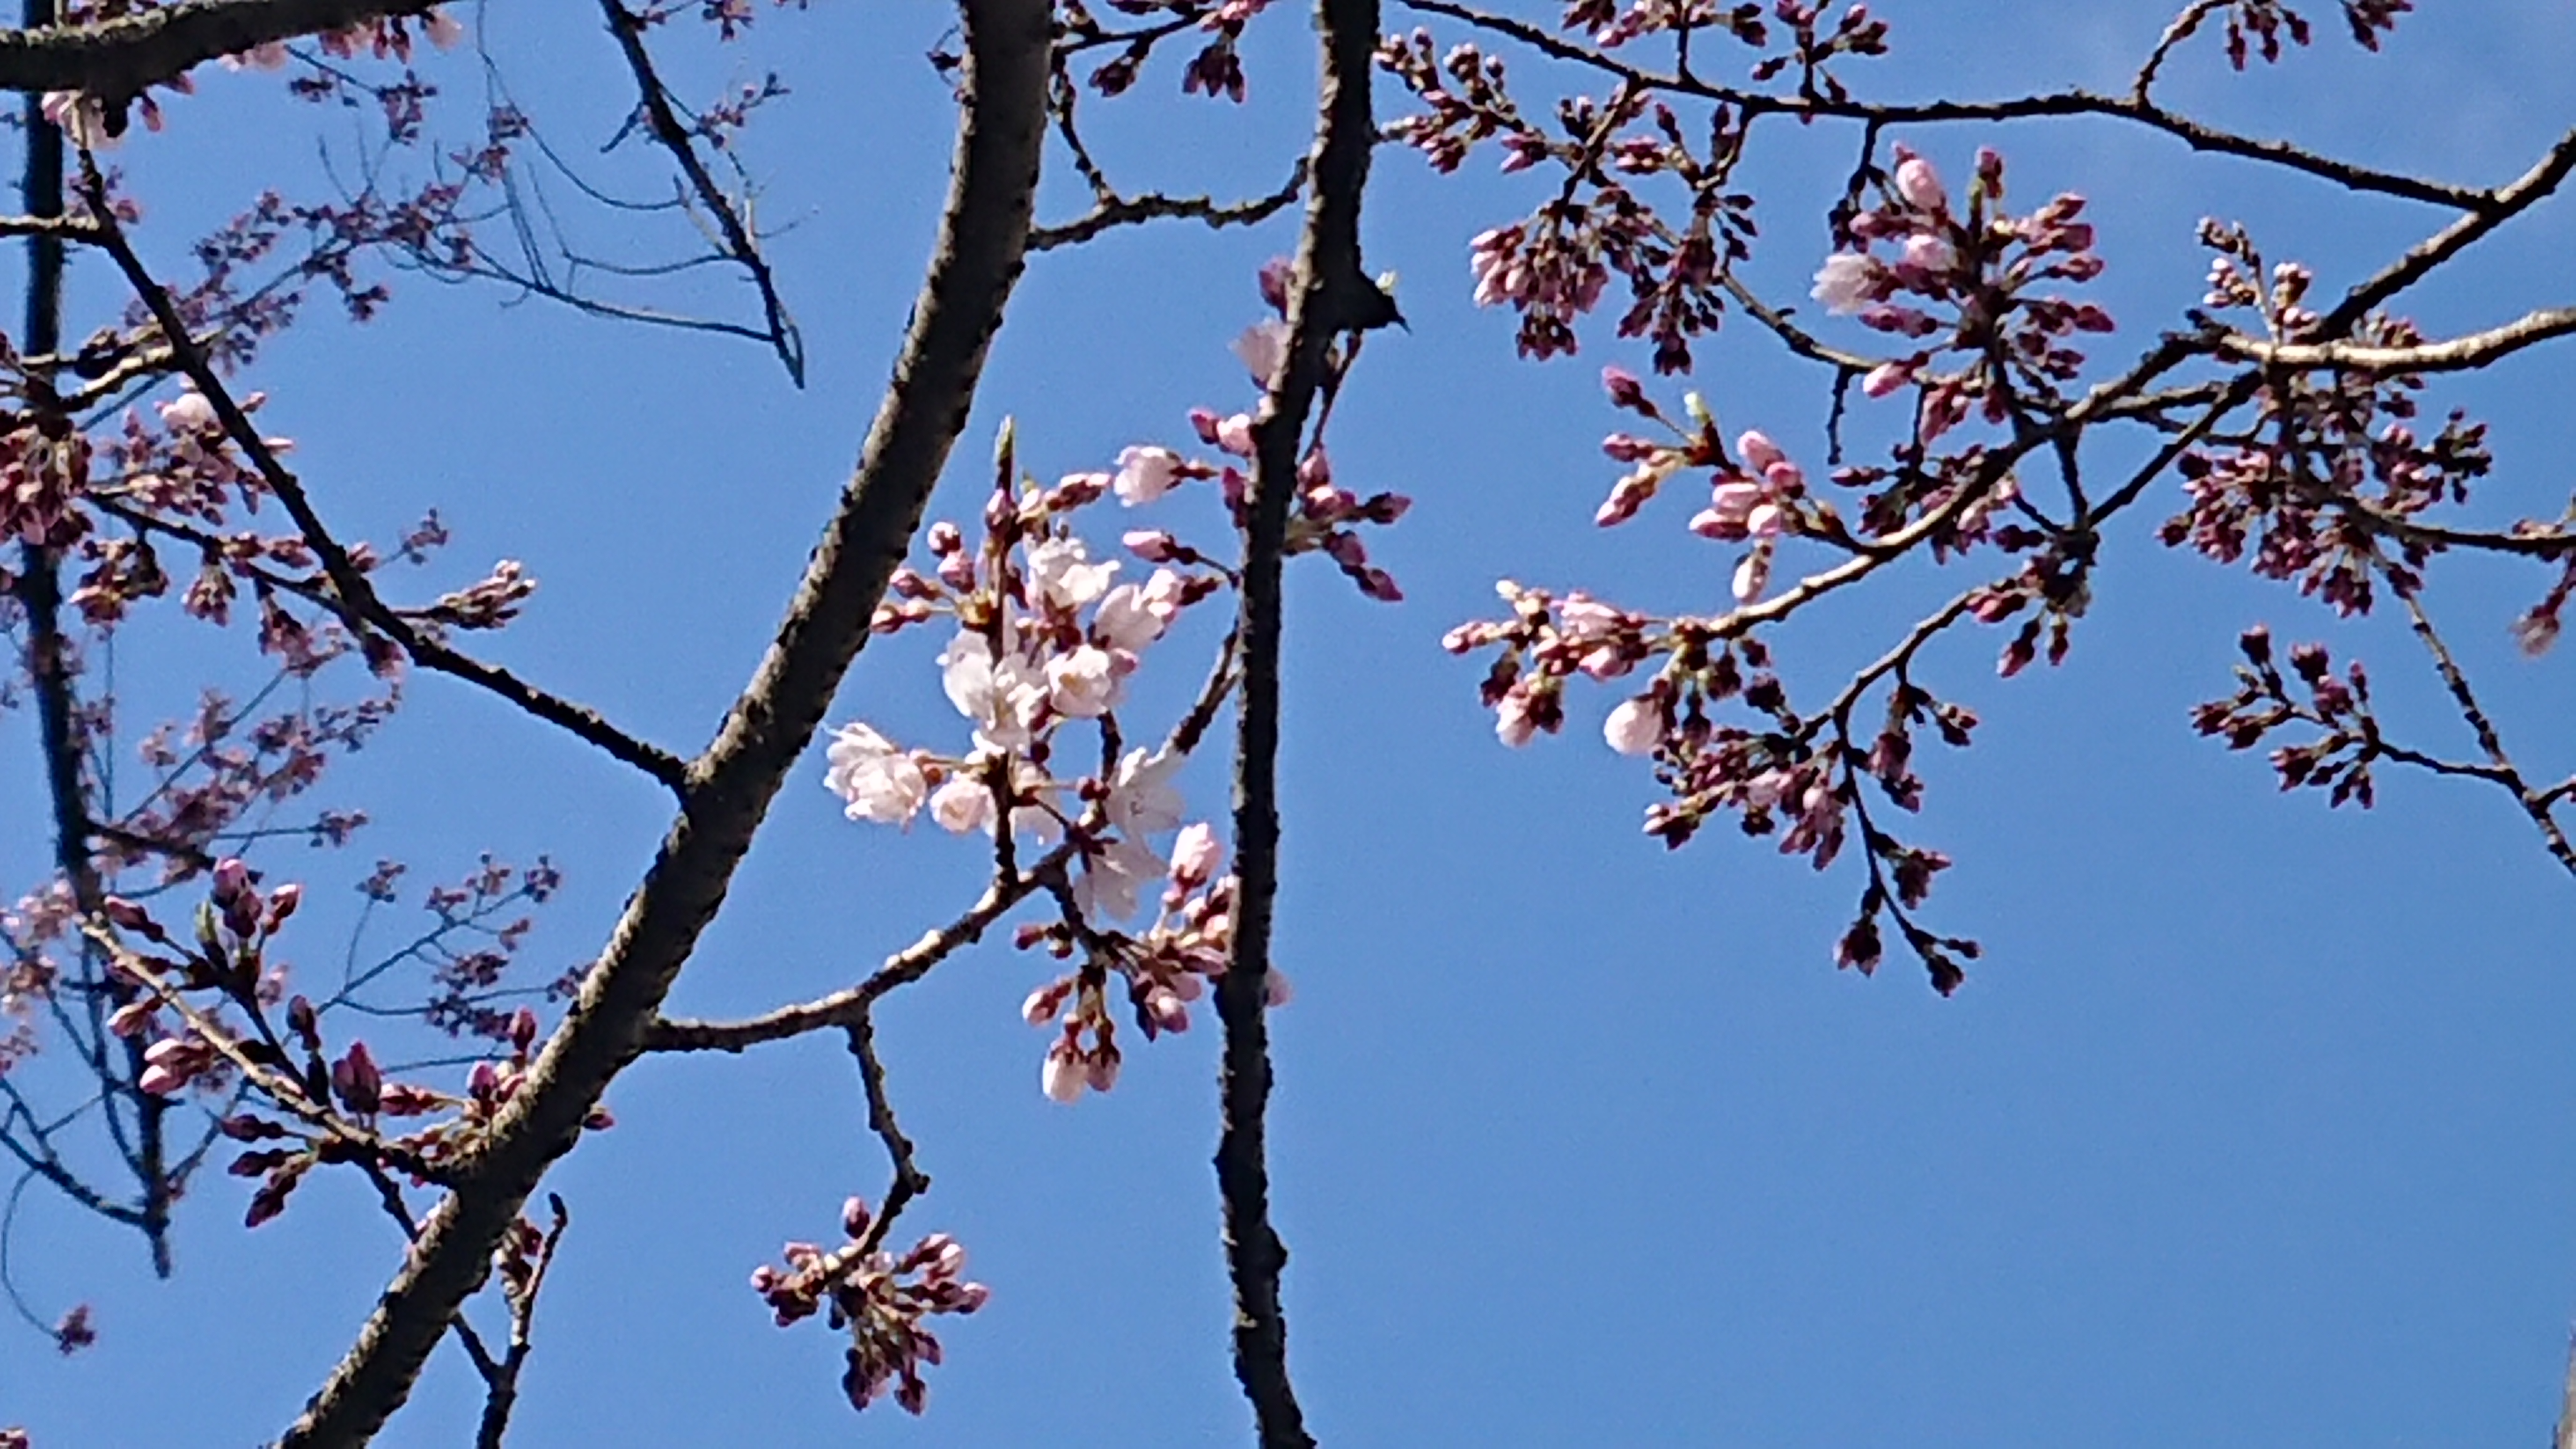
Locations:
1195 855
1635 727
1919 184
1062 1076
1624 388
1759 452
1886 378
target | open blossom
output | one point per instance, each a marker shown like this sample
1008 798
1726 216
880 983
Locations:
189 412
1846 283
1145 474
1635 727
1514 724
1132 616
1002 696
1085 683
1264 349
1143 800
1065 575
875 780
1115 877
965 803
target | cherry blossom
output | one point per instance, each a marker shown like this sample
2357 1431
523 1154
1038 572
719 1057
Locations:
875 779
1147 473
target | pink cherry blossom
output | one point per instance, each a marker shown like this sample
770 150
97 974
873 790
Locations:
1132 616
1145 474
1514 724
189 412
1115 877
443 29
1062 1078
1263 348
1195 855
1142 800
1759 452
1635 727
1919 184
1752 575
1065 575
1085 682
965 803
1846 283
1003 696
875 780
1930 253
1886 378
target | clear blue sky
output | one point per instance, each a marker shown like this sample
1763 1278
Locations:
2257 1125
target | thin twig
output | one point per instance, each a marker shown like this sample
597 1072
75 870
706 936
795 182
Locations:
346 578
664 125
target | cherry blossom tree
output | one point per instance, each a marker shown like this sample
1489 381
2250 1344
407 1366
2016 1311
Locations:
1988 419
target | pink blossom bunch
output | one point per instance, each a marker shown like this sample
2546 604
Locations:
881 1300
1165 969
1967 271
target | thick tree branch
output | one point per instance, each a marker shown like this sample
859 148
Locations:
982 241
1329 294
116 59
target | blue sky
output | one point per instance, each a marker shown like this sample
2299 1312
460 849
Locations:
2253 1127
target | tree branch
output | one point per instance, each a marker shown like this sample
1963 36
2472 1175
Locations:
2056 103
1329 294
2460 354
983 235
359 606
665 128
115 59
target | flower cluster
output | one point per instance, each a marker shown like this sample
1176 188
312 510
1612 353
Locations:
1049 634
880 1299
1969 274
2346 743
2331 477
1217 68
1164 969
1555 266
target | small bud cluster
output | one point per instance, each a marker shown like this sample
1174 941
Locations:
881 1300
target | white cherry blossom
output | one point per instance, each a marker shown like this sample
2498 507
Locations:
875 779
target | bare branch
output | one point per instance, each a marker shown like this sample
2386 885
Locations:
362 607
663 124
848 1006
2056 103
